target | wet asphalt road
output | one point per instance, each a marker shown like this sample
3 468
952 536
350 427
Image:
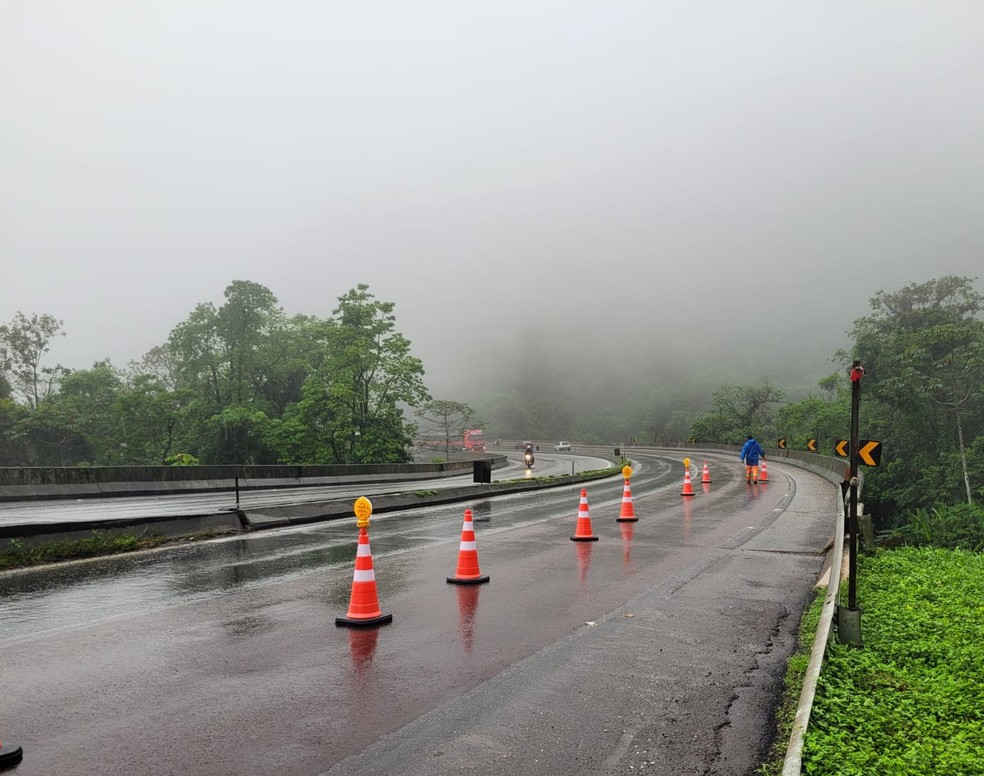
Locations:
121 508
659 647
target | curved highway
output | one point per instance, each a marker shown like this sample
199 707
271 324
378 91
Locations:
659 646
121 508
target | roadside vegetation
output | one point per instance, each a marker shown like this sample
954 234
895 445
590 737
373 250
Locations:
17 554
910 700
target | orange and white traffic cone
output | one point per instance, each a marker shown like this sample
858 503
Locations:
364 604
627 515
583 533
10 754
706 476
763 472
688 486
468 573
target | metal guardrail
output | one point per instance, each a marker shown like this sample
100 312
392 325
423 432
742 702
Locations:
793 762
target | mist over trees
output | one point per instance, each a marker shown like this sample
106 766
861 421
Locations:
243 383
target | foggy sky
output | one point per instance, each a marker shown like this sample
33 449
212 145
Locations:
706 183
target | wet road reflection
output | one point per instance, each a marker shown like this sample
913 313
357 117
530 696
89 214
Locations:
230 647
119 508
67 595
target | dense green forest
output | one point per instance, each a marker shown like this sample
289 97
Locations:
242 383
236 384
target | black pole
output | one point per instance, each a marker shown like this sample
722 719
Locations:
237 492
852 520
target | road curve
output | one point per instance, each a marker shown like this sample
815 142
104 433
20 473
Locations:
18 513
660 646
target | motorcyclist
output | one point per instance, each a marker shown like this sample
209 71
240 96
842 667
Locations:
528 455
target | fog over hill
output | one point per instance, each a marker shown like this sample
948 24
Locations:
588 195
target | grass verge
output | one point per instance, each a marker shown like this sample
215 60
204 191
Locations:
910 700
18 554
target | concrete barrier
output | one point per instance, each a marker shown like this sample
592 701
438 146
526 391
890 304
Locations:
41 483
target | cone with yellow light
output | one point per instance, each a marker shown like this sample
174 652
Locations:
364 603
627 514
467 572
583 533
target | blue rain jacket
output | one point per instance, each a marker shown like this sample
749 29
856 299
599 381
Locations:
751 452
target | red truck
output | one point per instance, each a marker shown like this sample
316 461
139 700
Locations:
472 441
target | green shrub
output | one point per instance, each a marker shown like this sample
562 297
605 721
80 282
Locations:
960 526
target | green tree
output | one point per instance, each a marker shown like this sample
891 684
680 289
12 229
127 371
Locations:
446 420
945 365
362 375
369 374
89 398
921 350
739 410
23 343
824 419
238 362
153 418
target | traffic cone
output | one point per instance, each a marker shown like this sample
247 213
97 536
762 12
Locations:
364 603
468 573
627 515
763 472
688 486
583 531
706 476
10 753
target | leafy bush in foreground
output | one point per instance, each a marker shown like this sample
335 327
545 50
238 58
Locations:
911 699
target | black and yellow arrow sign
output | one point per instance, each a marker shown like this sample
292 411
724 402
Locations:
811 445
869 450
781 444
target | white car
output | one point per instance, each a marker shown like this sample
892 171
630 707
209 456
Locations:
561 447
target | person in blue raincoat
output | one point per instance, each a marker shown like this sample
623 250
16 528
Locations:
750 453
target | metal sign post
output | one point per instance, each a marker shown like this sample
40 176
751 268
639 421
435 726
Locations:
849 617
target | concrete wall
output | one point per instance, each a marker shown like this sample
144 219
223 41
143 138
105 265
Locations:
36 483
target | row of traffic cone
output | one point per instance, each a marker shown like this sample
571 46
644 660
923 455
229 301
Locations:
364 607
705 478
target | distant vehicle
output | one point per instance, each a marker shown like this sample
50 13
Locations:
472 440
523 445
561 447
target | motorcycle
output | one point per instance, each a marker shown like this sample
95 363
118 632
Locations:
528 459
